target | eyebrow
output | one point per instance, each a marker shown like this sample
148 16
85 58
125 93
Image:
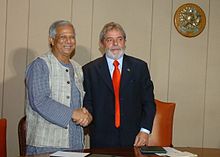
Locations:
114 37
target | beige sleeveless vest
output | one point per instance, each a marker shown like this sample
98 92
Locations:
40 132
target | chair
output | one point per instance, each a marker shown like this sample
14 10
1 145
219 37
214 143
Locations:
22 129
163 124
3 126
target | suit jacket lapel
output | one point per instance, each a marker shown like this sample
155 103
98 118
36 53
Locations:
103 70
127 70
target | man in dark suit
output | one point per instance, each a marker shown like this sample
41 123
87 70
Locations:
119 94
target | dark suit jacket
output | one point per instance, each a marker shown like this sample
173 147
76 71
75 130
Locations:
137 105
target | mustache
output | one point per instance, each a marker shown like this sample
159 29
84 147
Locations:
115 47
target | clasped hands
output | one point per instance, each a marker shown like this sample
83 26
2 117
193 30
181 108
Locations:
82 116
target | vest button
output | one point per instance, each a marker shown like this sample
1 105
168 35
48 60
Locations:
68 82
67 70
67 97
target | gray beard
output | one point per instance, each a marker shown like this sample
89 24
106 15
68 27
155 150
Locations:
109 54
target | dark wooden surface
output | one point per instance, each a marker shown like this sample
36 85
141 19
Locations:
135 152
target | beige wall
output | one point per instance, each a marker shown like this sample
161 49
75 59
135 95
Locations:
184 70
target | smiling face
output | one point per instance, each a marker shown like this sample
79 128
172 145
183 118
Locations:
64 42
114 44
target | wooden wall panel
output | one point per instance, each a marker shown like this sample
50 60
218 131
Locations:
187 83
82 17
160 51
3 5
15 62
42 14
137 24
184 70
212 100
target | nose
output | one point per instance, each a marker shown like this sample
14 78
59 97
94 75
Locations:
115 42
68 40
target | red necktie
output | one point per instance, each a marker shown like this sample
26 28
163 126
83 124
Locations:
116 84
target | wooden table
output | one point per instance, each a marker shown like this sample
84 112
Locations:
134 152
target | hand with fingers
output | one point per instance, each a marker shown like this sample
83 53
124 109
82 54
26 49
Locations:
141 139
82 117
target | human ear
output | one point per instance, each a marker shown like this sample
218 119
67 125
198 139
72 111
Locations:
101 47
51 41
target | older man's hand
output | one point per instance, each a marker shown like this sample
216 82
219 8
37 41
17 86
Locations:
141 139
82 117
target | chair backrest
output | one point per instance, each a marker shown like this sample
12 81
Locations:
22 130
163 124
3 126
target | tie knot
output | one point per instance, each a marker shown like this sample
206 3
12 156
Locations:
116 63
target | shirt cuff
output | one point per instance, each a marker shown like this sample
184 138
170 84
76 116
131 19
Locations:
145 130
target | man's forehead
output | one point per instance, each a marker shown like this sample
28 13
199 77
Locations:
67 26
114 33
65 29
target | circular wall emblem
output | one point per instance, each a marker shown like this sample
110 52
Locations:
189 20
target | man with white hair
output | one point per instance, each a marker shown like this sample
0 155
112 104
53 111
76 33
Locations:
54 111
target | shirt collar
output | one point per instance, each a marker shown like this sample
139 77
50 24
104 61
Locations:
110 61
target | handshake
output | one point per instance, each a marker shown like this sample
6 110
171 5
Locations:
82 116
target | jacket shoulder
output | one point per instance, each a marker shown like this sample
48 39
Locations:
93 63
